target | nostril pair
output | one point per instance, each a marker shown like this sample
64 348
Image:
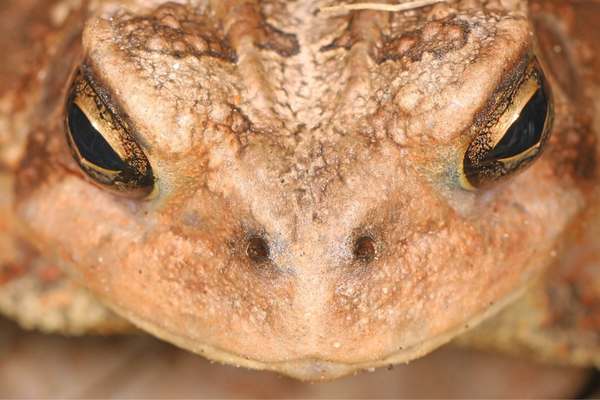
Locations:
258 250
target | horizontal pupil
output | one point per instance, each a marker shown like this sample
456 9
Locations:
90 143
526 131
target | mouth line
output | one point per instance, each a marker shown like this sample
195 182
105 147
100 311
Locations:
309 368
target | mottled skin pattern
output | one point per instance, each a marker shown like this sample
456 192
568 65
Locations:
273 120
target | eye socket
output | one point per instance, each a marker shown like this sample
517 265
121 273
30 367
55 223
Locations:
102 145
519 128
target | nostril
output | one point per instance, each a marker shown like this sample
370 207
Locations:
257 249
364 249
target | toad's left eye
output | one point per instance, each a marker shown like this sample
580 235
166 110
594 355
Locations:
102 145
515 134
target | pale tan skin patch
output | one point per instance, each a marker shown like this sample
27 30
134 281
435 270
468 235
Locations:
271 120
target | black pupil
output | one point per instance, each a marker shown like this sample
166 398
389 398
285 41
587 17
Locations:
90 143
526 131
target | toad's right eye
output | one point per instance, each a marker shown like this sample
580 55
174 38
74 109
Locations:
101 144
515 137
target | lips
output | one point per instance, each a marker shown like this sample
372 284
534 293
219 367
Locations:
314 367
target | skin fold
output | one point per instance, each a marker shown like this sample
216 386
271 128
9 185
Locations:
307 214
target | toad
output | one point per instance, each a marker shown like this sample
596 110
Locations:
304 187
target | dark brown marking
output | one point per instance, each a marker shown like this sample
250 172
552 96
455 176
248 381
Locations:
442 38
172 31
345 41
282 43
438 38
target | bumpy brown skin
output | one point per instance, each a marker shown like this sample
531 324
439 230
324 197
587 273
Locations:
271 119
558 320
